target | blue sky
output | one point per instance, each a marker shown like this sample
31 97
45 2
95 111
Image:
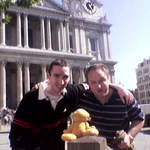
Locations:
129 37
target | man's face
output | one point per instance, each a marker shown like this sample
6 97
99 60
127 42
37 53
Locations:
98 83
58 79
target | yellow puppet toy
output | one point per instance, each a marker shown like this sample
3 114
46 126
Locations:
80 126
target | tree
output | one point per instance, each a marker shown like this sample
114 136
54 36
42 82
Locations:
5 4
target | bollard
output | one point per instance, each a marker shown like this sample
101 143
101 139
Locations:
87 143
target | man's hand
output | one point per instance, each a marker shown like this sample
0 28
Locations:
125 95
127 142
36 86
124 140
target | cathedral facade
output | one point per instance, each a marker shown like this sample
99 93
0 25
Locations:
76 30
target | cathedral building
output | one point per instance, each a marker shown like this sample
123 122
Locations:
76 30
143 81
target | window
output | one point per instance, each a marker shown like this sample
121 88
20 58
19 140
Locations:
93 44
146 70
71 41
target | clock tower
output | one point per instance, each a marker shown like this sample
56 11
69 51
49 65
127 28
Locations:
87 9
89 31
89 6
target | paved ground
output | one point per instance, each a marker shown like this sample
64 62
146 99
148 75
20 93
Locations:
142 140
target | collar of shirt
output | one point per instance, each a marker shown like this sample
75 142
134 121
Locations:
53 99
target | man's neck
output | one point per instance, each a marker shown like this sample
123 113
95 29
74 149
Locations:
52 92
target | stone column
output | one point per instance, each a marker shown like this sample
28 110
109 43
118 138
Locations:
2 30
26 40
82 41
62 37
89 52
67 37
58 34
19 82
44 73
26 77
19 30
80 45
49 41
99 56
71 79
108 46
2 85
42 33
102 47
82 75
77 46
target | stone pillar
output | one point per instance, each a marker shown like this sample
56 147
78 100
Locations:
99 56
82 41
58 33
102 47
80 44
2 30
49 41
77 46
105 45
19 82
62 37
2 85
108 46
44 73
19 30
89 52
71 79
67 37
105 42
82 75
42 33
26 77
26 40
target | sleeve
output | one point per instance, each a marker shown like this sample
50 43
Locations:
20 133
135 112
74 92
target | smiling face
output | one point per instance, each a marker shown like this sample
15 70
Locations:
59 77
98 80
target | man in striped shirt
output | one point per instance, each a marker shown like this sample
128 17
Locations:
109 114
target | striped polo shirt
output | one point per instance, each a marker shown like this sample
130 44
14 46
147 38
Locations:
111 116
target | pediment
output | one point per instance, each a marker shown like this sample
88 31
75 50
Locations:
52 6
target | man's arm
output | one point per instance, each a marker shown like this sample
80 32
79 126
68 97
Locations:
136 127
136 118
125 95
129 137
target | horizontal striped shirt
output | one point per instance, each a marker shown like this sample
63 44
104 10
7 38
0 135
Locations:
111 116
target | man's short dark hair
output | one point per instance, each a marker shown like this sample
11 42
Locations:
57 62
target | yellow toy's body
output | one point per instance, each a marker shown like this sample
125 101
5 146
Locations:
80 126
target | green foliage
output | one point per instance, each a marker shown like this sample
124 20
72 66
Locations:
26 3
7 19
5 4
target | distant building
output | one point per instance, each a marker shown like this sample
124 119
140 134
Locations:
143 81
135 94
77 30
